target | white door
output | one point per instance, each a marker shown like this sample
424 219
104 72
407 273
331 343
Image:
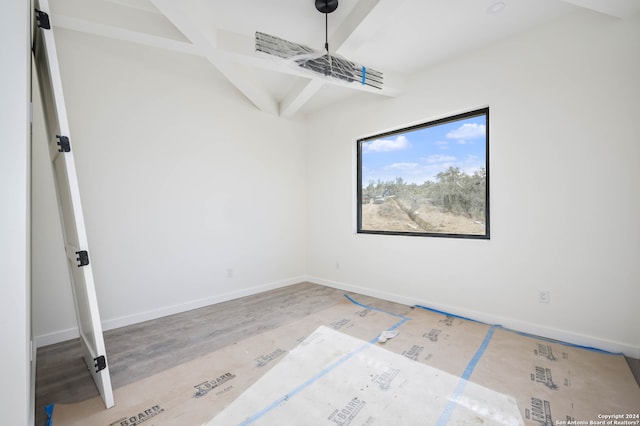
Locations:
68 194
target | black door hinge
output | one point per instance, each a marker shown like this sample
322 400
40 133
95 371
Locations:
100 363
63 144
42 19
83 258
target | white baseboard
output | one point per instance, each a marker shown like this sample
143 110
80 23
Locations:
487 318
510 323
32 390
55 337
110 324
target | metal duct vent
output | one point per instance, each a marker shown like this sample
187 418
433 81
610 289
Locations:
318 61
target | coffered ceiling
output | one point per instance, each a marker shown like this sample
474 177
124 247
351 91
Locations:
397 37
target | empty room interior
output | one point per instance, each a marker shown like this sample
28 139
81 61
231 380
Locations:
231 203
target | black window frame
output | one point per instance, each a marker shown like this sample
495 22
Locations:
406 130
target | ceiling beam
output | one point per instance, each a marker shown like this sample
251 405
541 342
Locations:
298 96
136 4
190 18
350 24
241 49
234 54
117 33
232 46
617 8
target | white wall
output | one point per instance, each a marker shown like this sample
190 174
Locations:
15 349
183 183
565 199
182 179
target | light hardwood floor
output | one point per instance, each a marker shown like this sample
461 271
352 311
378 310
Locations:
147 348
143 349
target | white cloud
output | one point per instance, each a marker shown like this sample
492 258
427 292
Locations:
442 144
403 166
437 158
471 164
385 145
468 131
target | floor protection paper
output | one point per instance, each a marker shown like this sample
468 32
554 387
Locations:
334 378
438 370
192 393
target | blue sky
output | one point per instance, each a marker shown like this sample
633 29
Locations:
419 155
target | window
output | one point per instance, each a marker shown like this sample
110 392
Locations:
431 179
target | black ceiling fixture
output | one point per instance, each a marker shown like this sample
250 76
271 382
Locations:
325 63
326 6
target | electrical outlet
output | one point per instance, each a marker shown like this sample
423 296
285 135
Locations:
337 265
544 296
229 273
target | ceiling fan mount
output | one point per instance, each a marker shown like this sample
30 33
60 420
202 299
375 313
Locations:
324 63
326 6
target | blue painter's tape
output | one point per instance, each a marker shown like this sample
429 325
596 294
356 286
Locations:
49 410
325 371
560 342
300 388
364 74
522 333
315 378
462 383
445 313
483 347
355 302
371 308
